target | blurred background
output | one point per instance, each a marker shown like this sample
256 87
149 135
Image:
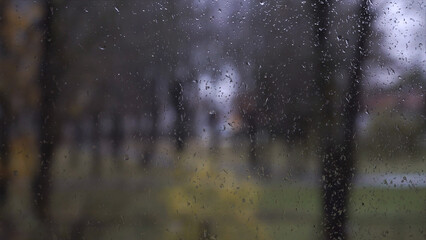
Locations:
198 119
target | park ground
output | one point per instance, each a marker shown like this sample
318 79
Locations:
133 203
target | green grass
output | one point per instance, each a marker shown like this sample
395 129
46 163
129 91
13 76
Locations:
131 203
374 213
286 211
138 211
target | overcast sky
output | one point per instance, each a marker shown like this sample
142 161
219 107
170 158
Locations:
403 25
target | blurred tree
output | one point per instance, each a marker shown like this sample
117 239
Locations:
278 86
48 118
152 138
247 107
180 68
5 122
214 141
96 145
117 137
19 43
178 103
5 115
337 152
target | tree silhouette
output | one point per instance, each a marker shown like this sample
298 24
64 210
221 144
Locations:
48 119
337 151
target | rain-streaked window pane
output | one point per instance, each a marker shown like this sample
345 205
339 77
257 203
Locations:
198 119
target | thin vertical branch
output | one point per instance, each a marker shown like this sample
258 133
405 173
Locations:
48 122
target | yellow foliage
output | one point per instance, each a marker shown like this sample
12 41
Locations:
20 37
23 156
21 43
214 204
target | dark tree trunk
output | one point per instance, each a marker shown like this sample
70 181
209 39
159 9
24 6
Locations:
334 215
337 154
252 132
253 122
77 143
214 134
350 112
48 120
4 5
4 120
78 228
149 148
117 137
295 169
178 103
256 114
4 149
96 146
